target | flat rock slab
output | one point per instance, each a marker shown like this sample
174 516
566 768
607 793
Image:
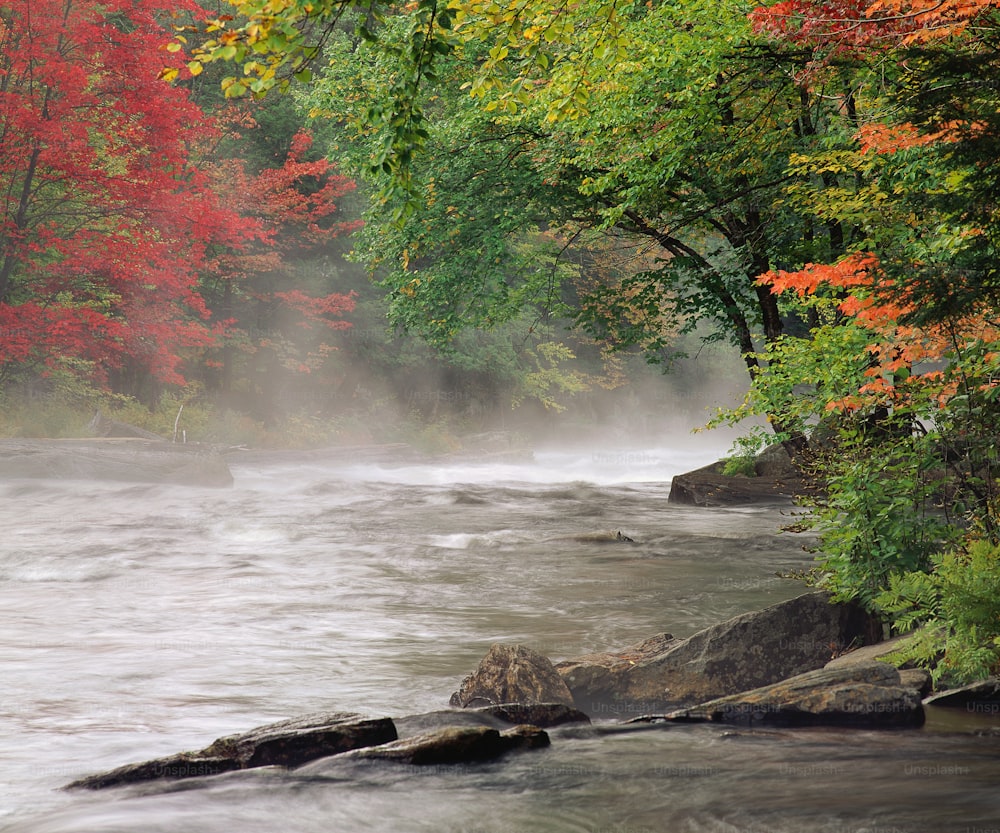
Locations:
289 743
860 696
454 745
708 486
982 697
131 460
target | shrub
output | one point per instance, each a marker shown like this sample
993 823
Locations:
955 610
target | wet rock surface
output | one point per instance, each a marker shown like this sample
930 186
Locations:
512 674
454 745
866 695
708 486
544 715
288 743
981 697
599 678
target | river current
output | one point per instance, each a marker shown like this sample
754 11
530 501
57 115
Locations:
142 620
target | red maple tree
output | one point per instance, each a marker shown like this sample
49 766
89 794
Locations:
104 221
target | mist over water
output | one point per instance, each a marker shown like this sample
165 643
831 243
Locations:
140 620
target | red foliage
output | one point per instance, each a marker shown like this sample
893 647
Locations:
104 221
296 205
840 28
835 29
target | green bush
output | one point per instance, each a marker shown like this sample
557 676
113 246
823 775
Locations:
739 465
955 610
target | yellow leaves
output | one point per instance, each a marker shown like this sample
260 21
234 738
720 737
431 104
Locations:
233 87
410 289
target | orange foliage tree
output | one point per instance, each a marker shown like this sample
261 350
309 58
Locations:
898 378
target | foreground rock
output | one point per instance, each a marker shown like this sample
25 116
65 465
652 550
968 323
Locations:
982 697
868 695
708 486
512 674
131 460
597 680
289 743
544 715
745 652
455 745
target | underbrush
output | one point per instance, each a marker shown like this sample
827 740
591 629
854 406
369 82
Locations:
67 410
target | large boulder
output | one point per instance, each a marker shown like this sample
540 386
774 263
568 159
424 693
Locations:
709 486
512 674
288 743
774 461
868 695
132 460
454 745
102 426
745 652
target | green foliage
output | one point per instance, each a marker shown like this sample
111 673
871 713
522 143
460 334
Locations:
956 609
905 473
877 519
549 379
740 465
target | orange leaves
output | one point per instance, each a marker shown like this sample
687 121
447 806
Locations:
884 138
902 360
854 270
930 19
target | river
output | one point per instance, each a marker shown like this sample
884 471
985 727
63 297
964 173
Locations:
141 620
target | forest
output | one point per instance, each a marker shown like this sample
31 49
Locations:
236 205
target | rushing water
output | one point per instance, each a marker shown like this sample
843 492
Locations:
143 620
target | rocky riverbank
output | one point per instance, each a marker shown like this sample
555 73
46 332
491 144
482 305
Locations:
803 662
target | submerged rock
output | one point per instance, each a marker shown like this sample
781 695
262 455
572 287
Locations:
868 695
604 536
454 745
745 652
288 743
512 674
